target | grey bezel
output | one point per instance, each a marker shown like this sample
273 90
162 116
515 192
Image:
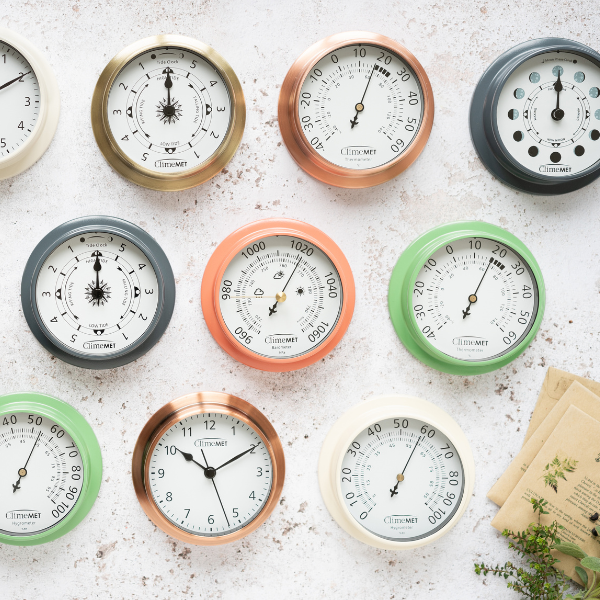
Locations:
137 236
484 129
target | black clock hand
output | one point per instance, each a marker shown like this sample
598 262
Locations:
190 458
400 477
215 486
281 295
13 80
558 113
360 106
23 470
473 297
238 456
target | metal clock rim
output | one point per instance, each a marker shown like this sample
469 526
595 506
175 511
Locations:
353 422
221 258
38 142
483 120
196 403
72 421
306 157
153 179
138 237
402 276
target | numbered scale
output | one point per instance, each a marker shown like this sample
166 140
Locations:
466 298
208 468
30 104
356 109
98 292
168 112
535 116
278 294
50 469
396 472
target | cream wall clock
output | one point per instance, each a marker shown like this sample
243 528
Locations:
30 104
168 112
396 472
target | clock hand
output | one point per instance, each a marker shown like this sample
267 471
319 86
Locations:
190 458
13 80
473 297
23 471
211 476
360 106
238 456
558 113
281 296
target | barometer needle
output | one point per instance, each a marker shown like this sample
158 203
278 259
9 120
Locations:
273 309
473 296
23 471
13 80
400 477
360 106
238 456
216 490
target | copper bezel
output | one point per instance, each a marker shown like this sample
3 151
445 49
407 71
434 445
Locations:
304 154
186 406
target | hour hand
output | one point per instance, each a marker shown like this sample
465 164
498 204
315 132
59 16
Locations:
190 458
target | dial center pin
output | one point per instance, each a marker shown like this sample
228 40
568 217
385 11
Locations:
280 296
472 298
22 472
360 107
400 477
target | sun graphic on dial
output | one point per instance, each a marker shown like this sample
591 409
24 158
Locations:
97 295
300 291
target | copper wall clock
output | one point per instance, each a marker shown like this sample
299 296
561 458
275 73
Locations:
535 116
278 294
98 292
356 109
168 112
208 468
30 104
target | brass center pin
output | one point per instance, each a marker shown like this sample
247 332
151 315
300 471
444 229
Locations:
22 472
280 296
472 298
400 477
360 107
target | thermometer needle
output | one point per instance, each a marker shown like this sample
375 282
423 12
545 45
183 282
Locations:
360 106
400 476
23 471
473 297
558 113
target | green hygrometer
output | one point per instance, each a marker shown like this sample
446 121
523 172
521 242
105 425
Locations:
466 298
50 468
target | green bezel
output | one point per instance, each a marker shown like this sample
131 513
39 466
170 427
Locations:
81 432
403 278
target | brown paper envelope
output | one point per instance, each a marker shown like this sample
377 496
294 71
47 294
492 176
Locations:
576 497
555 385
577 396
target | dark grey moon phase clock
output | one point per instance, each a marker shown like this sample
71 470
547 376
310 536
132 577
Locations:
98 292
535 116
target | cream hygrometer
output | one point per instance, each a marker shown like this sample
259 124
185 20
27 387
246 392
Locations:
278 294
466 298
98 292
535 116
168 112
355 109
208 468
50 468
396 472
30 104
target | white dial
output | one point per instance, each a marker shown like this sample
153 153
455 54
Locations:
548 114
281 296
401 479
475 299
210 474
169 110
20 98
360 106
97 293
41 471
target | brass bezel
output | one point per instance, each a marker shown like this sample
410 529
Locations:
167 182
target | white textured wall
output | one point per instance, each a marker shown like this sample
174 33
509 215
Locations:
300 552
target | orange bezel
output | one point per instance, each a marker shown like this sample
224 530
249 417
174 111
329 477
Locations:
297 144
221 258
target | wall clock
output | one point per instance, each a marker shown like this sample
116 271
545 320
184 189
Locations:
355 109
208 468
98 292
396 472
466 298
30 104
168 112
278 294
50 468
535 116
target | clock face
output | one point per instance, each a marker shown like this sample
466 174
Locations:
210 474
360 106
475 299
97 294
20 100
41 471
280 296
548 114
169 110
401 479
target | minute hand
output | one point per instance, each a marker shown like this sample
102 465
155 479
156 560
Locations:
13 80
238 456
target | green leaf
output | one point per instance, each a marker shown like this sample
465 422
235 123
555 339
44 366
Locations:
570 549
592 563
582 575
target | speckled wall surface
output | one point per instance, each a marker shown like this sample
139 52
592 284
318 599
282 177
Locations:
300 552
